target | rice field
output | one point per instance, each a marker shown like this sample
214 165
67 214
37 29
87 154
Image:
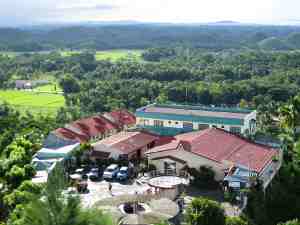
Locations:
32 101
113 55
49 88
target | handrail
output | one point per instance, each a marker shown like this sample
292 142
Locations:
168 172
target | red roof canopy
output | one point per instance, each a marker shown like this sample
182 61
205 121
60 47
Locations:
93 126
219 145
70 135
128 142
122 117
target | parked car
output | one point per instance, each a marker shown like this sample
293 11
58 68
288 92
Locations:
123 173
94 174
111 171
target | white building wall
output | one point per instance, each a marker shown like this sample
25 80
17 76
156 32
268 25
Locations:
193 161
179 124
248 118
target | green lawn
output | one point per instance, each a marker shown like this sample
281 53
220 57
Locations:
49 88
9 54
33 102
115 55
112 55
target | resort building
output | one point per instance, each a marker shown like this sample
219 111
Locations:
45 160
29 84
81 131
124 145
122 118
175 119
221 151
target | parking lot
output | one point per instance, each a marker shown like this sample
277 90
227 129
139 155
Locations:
100 190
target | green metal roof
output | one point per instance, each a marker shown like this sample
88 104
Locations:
204 108
190 118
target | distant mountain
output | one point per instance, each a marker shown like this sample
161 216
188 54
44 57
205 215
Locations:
227 22
273 43
294 39
116 35
230 23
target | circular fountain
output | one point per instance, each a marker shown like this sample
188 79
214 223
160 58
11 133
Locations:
134 208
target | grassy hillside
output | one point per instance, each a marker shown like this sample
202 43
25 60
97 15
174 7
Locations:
273 44
33 102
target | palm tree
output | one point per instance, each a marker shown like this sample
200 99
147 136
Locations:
290 114
289 121
56 208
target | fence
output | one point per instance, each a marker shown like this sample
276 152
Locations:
167 172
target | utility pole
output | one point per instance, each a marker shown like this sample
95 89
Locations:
186 95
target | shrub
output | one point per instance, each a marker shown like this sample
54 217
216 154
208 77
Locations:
230 197
291 222
202 211
204 177
235 221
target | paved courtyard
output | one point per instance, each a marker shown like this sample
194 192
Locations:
99 190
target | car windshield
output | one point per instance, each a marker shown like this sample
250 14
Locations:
110 170
122 171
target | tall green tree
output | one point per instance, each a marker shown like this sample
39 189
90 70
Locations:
202 211
53 207
291 222
290 114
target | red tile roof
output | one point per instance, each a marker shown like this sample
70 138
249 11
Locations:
128 142
70 135
219 145
164 140
122 117
92 126
173 145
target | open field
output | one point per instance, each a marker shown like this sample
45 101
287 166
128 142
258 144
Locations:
8 54
49 88
33 102
112 55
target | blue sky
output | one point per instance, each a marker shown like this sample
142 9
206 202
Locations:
14 12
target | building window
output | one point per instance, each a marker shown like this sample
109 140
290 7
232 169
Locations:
158 123
144 122
203 126
187 126
235 130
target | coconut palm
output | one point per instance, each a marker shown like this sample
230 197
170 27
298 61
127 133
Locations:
289 122
56 208
290 114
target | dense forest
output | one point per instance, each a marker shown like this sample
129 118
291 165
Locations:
142 36
247 78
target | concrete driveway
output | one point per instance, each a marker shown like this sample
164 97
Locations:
100 190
